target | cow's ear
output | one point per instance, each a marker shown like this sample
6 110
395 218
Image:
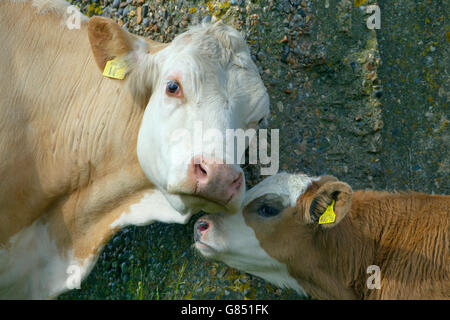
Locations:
330 204
108 41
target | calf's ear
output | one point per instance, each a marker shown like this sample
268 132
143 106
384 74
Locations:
330 204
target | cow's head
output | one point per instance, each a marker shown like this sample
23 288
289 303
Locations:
204 79
275 235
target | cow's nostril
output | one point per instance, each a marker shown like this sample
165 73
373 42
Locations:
203 226
200 171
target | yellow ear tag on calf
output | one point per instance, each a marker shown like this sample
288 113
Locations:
115 68
328 216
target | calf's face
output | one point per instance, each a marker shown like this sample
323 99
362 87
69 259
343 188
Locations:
273 235
194 89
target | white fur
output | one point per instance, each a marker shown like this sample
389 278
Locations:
31 266
152 207
288 186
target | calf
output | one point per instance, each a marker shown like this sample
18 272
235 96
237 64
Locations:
376 245
83 155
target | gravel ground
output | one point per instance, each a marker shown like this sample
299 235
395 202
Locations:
368 106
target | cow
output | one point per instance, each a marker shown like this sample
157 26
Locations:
83 154
318 237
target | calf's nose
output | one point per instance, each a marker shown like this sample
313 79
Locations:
199 228
215 181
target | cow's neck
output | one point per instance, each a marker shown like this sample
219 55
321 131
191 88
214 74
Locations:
96 152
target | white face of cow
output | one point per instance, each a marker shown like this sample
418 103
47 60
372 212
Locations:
205 79
265 238
195 89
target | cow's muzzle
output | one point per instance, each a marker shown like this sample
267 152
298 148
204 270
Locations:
215 181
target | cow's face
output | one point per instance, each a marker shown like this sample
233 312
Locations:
194 89
275 230
206 83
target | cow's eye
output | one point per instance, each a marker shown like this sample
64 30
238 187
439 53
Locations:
173 88
267 211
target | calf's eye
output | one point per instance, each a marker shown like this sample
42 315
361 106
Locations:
261 122
267 211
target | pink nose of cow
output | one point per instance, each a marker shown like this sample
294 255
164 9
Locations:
215 181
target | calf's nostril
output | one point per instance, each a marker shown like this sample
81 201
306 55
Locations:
202 226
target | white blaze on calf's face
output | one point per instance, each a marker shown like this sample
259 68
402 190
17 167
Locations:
215 86
232 238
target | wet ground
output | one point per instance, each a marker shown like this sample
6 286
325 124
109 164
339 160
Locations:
368 106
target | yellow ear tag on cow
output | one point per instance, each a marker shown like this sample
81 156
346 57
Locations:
328 216
115 68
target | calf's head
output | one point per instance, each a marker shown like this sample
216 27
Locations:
203 81
274 235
